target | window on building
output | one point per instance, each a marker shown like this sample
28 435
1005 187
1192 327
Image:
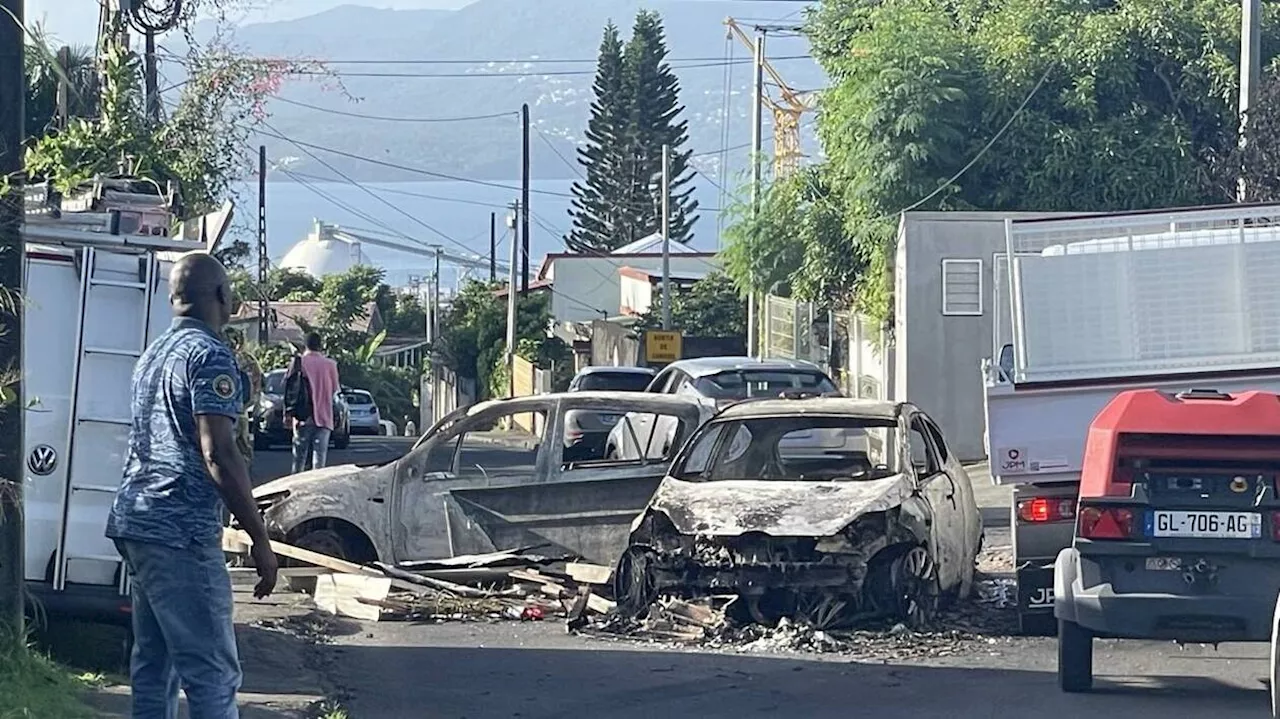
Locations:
962 287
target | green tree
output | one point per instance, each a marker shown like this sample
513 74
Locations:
45 72
597 218
473 332
712 307
654 94
1035 105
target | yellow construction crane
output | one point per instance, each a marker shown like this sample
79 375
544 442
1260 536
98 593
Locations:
787 109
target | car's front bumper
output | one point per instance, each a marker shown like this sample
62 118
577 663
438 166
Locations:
1238 605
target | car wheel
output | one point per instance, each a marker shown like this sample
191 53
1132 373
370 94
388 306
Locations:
342 441
1075 657
633 581
321 541
916 587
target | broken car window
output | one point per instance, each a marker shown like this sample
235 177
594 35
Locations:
804 448
922 457
506 445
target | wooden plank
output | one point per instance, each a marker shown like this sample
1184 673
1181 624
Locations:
234 537
340 594
585 573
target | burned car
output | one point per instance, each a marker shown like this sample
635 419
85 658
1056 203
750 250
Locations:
882 524
487 477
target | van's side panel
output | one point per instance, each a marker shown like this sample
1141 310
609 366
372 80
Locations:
51 304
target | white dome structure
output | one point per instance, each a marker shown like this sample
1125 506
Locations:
324 253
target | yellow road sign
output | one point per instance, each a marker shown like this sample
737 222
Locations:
661 346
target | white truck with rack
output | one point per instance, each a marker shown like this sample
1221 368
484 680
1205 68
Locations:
1168 299
95 294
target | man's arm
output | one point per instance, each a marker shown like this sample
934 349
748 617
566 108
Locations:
216 403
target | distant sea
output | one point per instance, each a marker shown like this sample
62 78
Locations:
459 211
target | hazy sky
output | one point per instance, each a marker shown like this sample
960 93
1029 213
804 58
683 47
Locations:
76 21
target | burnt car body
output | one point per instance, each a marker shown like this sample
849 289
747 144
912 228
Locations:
486 477
1178 525
883 524
266 421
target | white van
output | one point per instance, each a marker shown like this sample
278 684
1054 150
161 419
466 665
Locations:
93 300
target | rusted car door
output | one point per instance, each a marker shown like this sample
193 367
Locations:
583 508
945 500
500 445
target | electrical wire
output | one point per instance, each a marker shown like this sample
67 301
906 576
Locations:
577 170
385 118
408 193
376 196
550 73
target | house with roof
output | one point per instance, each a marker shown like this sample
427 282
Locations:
587 287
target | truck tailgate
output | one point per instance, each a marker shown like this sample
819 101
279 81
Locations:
1037 434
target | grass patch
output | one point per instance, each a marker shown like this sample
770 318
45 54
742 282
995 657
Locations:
33 686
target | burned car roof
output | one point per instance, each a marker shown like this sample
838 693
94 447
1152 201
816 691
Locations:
840 406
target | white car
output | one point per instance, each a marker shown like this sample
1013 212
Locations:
718 382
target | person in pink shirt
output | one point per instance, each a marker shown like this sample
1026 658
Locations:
311 436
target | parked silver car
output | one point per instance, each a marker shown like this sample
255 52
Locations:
716 383
365 418
585 432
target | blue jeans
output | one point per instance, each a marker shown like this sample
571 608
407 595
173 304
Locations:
310 447
183 633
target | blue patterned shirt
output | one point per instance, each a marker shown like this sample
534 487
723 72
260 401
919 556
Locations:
167 496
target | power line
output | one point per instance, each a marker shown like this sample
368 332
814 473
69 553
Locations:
375 196
549 73
408 193
403 168
563 159
384 118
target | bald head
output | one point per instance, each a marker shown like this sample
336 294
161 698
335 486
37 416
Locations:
198 288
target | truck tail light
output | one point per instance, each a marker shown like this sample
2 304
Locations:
1106 523
1046 509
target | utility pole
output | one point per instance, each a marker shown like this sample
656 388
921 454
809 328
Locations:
666 237
64 91
513 221
493 247
435 297
1250 72
524 202
12 470
264 265
757 146
150 73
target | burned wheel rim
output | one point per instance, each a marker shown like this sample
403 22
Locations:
633 583
915 579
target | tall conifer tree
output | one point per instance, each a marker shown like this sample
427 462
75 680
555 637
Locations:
596 217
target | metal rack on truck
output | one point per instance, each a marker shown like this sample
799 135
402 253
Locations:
1167 299
95 271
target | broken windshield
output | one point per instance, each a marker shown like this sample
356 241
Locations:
803 448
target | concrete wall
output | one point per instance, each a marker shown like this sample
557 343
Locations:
588 288
937 357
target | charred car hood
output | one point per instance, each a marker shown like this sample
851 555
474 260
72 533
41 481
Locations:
780 509
307 480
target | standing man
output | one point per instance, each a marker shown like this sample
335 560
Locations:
311 434
182 465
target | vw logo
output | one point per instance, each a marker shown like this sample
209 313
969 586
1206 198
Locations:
42 460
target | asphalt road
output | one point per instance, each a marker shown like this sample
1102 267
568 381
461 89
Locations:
535 671
364 451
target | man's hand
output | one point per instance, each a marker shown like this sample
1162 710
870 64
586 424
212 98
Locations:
264 561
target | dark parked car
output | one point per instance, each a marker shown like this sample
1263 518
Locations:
266 421
585 432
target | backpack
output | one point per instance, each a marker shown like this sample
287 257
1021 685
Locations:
297 392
